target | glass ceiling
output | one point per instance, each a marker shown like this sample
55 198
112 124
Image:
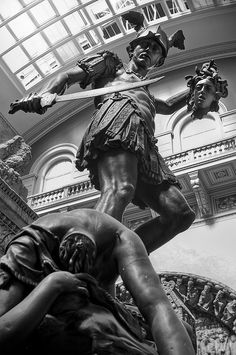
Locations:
38 37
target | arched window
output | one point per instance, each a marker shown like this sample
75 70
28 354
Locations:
55 168
58 174
188 133
196 133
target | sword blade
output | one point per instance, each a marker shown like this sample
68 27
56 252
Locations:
107 90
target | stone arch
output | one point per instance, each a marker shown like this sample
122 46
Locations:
54 155
207 305
209 296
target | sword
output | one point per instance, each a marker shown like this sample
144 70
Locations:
48 100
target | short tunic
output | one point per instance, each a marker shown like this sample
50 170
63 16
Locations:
118 123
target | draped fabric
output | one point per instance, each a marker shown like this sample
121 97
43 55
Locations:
76 324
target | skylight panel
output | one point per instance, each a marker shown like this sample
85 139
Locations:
99 11
7 40
43 12
68 51
110 30
64 6
153 12
29 77
22 26
75 22
48 64
9 8
88 41
15 59
27 2
35 45
122 5
56 32
48 33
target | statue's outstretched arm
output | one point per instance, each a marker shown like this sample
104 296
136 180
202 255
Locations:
58 85
173 104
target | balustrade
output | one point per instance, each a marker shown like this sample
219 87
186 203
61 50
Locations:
192 156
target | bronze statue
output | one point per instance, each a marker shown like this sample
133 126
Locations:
206 89
48 291
119 148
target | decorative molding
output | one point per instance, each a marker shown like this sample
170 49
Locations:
226 203
13 179
14 214
202 197
204 154
12 201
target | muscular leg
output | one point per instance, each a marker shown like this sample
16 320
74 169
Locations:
175 215
117 177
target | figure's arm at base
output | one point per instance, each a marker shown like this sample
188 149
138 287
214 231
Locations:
144 284
18 322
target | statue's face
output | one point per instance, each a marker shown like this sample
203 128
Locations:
147 53
204 94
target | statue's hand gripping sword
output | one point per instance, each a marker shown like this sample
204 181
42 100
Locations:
48 100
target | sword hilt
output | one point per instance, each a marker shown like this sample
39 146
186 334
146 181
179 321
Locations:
48 100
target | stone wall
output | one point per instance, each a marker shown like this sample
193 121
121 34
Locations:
15 155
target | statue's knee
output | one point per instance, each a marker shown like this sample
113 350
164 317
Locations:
123 192
185 218
126 191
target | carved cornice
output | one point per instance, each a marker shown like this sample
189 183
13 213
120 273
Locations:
226 203
14 205
7 230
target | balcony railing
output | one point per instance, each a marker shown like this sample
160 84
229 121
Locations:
205 152
60 195
82 189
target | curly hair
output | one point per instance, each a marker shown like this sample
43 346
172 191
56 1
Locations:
208 71
77 252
